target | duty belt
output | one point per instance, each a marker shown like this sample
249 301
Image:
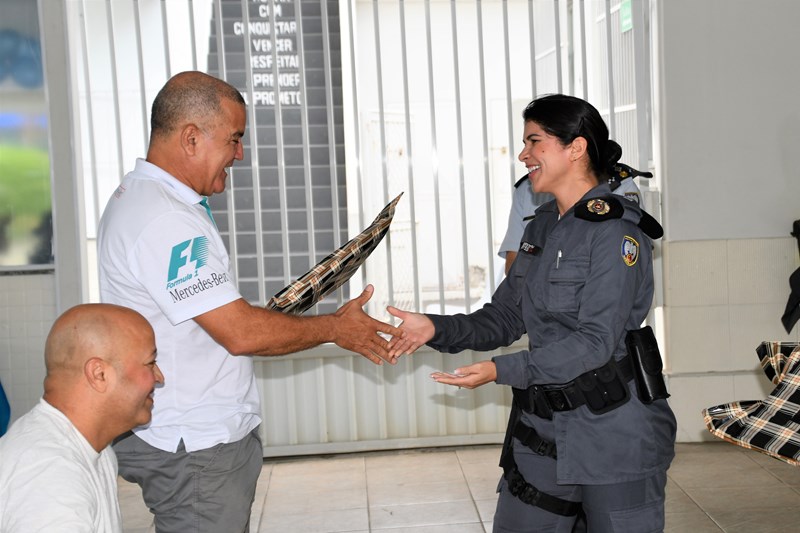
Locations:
601 390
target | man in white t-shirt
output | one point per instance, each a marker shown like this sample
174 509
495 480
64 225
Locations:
58 471
160 253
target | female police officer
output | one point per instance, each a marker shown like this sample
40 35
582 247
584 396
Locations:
590 426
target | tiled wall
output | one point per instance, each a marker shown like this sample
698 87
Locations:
722 298
27 310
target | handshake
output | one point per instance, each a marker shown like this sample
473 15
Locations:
415 330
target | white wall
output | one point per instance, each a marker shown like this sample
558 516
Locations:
729 144
27 310
730 118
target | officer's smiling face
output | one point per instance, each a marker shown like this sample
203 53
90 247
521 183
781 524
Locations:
546 159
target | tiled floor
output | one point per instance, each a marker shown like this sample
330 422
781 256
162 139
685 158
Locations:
712 487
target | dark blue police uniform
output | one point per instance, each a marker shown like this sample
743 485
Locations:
580 283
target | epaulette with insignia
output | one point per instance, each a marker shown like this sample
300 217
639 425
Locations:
608 207
598 209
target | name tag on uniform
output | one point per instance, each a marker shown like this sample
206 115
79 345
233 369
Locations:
529 248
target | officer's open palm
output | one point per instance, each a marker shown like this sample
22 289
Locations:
469 377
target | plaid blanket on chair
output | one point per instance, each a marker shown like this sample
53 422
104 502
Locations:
772 425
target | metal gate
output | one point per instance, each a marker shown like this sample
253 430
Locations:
386 96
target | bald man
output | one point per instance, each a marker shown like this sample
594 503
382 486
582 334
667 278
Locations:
58 471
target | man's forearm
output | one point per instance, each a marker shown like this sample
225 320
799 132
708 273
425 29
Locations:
244 329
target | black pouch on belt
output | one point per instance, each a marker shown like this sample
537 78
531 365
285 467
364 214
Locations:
604 388
647 365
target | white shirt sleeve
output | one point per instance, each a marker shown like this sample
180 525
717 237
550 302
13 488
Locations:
628 189
522 205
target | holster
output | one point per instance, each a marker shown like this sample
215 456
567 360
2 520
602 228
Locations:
519 487
647 365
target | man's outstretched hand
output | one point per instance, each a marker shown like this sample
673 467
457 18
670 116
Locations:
358 332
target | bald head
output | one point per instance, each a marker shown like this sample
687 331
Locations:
101 370
189 97
90 330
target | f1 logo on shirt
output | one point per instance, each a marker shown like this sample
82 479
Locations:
192 254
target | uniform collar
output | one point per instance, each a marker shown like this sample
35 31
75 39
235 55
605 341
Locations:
598 191
602 189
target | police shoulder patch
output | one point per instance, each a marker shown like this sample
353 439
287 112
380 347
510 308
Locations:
629 250
599 209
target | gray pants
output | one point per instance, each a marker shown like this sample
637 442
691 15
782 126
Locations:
630 507
209 490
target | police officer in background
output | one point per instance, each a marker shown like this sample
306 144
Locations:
590 426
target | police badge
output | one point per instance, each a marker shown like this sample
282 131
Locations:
598 206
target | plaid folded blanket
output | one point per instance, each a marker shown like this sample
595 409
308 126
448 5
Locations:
772 425
333 271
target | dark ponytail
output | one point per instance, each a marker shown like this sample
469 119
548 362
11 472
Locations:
611 154
567 117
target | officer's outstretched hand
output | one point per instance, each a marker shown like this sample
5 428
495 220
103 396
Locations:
469 377
358 332
418 330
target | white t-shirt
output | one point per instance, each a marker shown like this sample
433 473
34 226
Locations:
51 479
160 254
